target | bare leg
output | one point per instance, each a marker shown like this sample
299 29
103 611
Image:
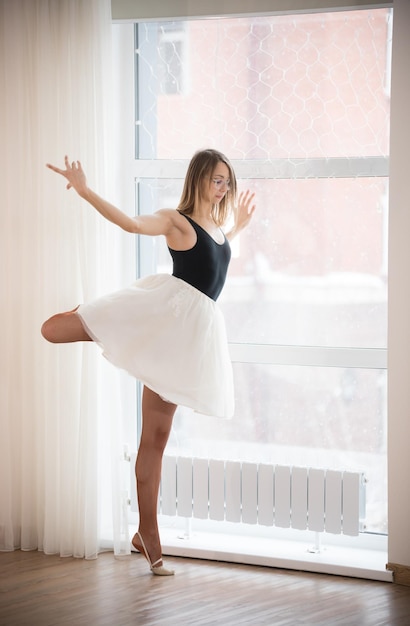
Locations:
64 328
157 418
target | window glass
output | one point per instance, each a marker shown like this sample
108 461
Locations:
315 417
300 103
311 270
172 59
267 87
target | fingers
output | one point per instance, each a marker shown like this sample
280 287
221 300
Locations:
57 169
246 196
75 165
245 199
72 173
54 168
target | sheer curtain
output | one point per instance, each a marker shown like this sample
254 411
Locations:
62 482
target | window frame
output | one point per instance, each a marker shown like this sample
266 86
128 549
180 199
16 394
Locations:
140 169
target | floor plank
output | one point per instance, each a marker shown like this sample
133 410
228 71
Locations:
40 590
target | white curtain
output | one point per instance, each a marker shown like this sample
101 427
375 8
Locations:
62 480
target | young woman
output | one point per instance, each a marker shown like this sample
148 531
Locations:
165 330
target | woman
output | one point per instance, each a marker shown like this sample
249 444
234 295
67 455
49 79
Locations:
167 331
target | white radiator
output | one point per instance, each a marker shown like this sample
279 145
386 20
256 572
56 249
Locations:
289 497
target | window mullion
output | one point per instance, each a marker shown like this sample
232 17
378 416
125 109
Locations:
347 167
316 356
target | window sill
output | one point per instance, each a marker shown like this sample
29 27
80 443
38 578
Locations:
367 563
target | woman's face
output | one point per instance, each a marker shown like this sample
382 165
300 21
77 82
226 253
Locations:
218 185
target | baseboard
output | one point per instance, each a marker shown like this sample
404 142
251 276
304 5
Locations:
401 573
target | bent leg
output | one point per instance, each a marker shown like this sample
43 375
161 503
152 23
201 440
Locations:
157 418
64 328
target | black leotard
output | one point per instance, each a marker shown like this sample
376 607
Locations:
205 265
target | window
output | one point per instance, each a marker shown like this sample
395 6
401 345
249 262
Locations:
172 59
300 104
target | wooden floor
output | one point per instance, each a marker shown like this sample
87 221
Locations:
39 590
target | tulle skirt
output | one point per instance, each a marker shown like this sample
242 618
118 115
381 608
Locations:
171 337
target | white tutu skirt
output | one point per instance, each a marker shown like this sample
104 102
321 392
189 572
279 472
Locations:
171 337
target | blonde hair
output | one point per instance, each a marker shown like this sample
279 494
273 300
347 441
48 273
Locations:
200 169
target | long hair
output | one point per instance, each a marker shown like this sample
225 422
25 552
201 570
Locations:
200 169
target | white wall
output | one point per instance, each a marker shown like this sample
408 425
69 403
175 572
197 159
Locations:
399 293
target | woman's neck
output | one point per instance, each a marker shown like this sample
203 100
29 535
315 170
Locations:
203 212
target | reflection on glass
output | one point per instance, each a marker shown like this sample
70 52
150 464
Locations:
286 86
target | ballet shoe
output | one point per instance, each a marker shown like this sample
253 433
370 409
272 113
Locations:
158 570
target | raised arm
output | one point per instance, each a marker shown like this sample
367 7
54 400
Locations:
243 212
158 224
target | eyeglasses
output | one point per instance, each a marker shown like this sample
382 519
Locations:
220 182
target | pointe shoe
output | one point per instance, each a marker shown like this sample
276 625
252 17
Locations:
158 570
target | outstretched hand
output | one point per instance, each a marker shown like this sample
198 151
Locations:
244 210
73 173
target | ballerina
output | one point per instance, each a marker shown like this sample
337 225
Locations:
167 330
